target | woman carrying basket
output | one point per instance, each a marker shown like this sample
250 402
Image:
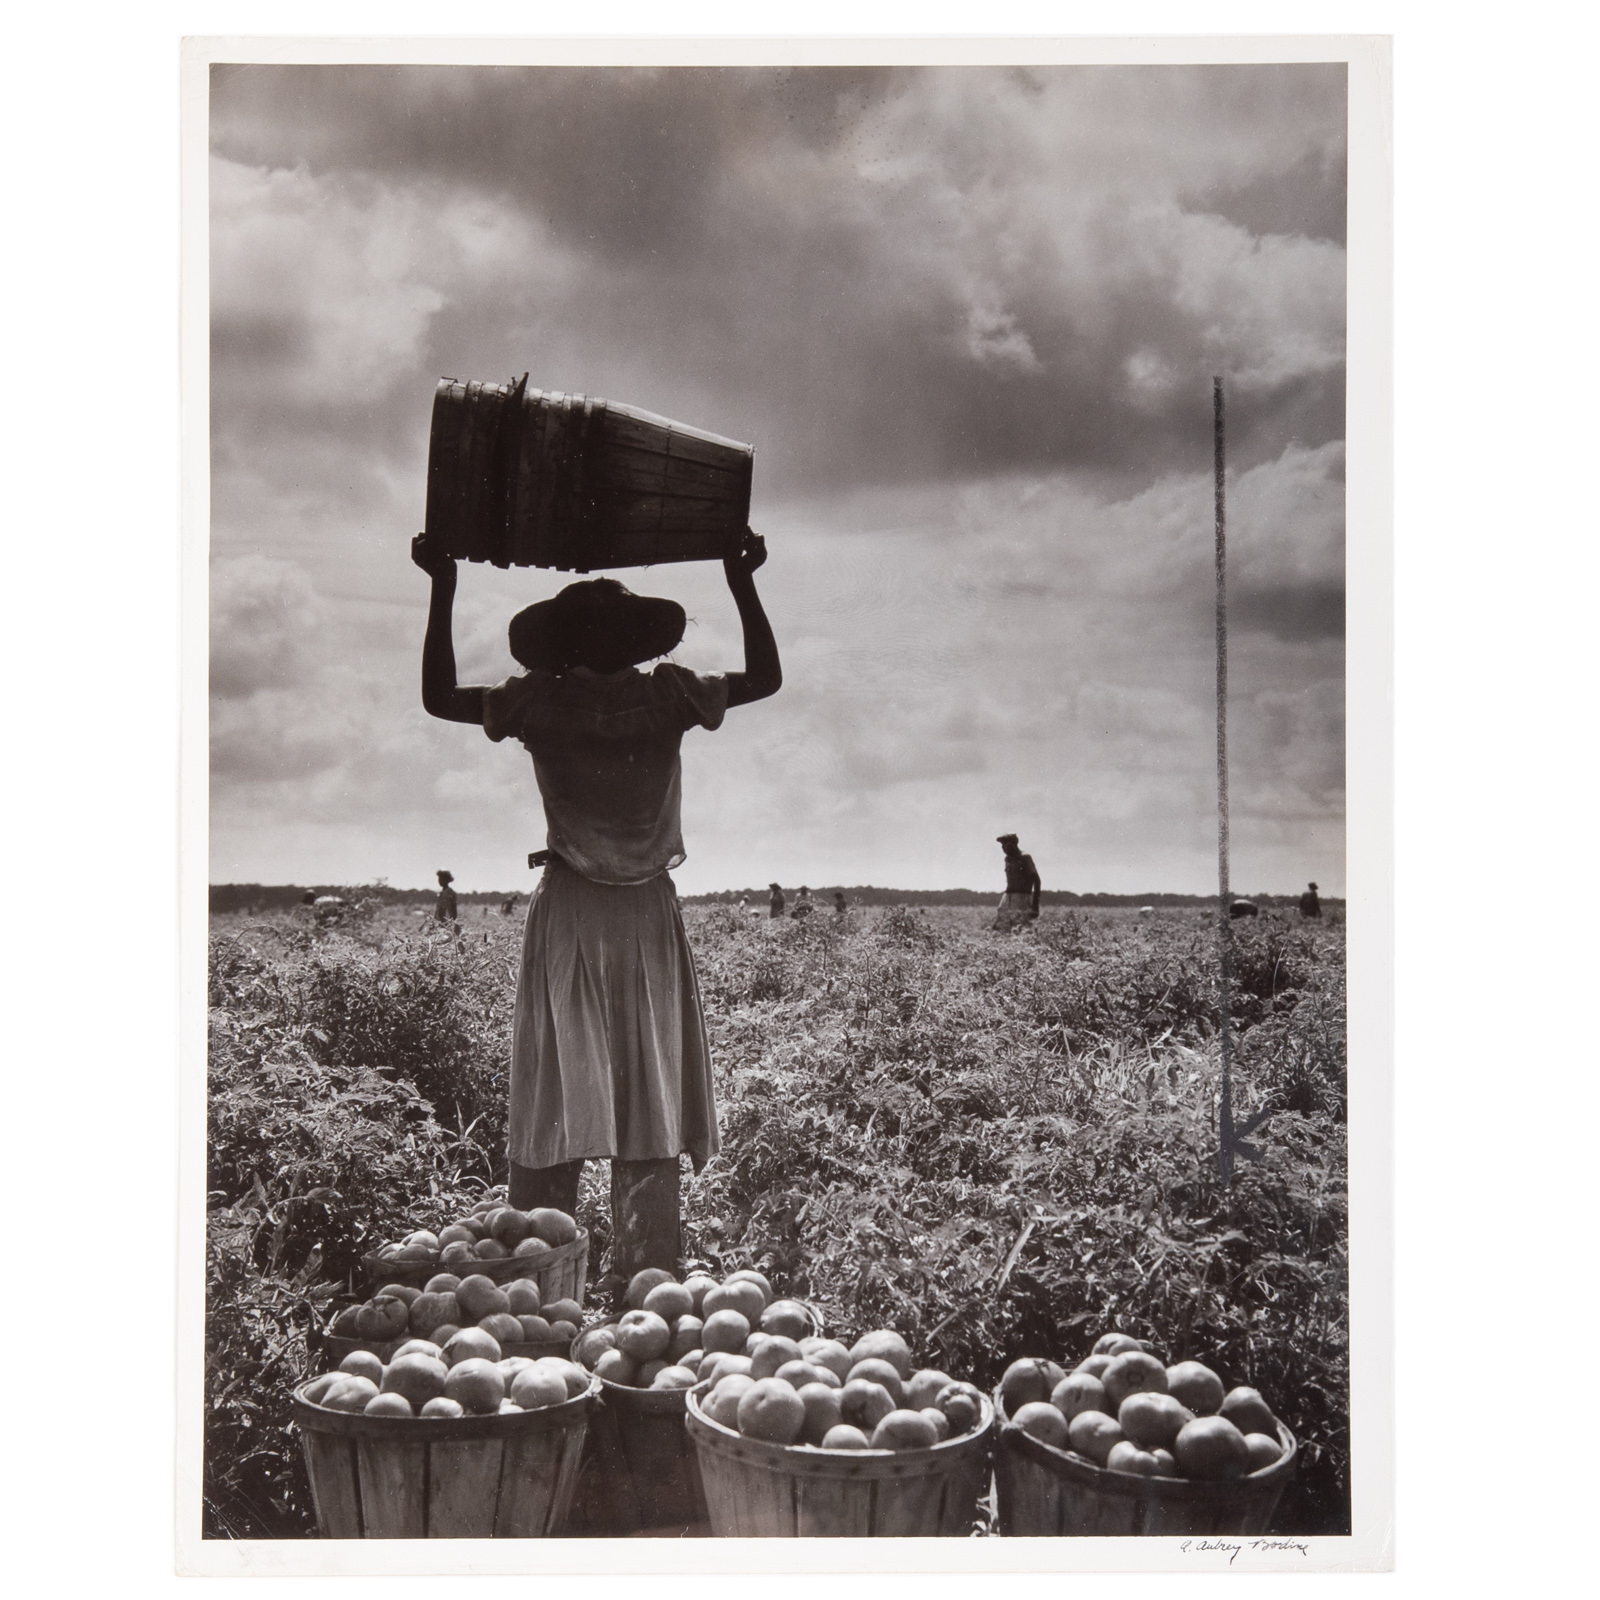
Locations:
609 1058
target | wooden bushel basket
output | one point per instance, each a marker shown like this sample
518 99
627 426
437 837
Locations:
1042 1492
527 478
756 1490
561 1275
640 1469
502 1477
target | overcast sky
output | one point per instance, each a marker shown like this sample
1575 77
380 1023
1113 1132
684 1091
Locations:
968 318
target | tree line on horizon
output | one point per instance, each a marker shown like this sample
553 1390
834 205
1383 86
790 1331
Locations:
234 897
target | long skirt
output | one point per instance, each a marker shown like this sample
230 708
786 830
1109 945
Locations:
608 1044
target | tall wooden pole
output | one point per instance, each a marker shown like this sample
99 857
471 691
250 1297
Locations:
1224 897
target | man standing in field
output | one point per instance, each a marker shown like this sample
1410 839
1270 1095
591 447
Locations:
1019 905
776 904
1310 905
444 908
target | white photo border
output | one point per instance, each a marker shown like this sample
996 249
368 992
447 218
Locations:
1370 843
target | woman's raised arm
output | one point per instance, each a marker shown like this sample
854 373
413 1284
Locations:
442 696
762 675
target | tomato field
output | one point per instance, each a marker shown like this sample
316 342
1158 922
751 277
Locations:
1000 1145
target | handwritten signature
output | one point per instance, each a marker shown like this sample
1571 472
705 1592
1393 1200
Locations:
1231 1549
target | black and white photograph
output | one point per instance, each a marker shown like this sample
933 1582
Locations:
782 906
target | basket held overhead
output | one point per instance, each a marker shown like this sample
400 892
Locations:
532 478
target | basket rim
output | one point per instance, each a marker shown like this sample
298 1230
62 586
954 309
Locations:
559 1253
631 1391
814 1311
385 1349
314 1418
1103 1480
626 1394
813 1459
628 1398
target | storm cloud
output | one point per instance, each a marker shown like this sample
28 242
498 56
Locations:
969 319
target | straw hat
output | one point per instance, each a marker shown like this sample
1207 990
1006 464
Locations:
598 623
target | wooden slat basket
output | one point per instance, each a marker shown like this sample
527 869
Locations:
1043 1492
522 477
508 1476
639 1468
562 1273
759 1490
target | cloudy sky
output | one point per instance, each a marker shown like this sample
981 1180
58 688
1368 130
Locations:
967 316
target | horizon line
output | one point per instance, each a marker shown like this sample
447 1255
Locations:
821 888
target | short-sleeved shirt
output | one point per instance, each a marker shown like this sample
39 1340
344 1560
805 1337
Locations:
605 754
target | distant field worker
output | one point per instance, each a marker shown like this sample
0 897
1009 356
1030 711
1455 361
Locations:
444 908
1310 905
839 904
1019 905
803 907
328 909
776 904
609 1058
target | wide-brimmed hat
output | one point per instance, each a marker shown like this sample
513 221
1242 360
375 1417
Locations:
596 623
1005 838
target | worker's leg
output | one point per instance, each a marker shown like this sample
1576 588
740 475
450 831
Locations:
646 1230
556 1187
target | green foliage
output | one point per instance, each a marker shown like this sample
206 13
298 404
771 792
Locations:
1005 1145
427 1006
316 1148
1002 1145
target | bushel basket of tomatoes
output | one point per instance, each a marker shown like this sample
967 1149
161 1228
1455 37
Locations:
667 1331
1124 1426
493 1240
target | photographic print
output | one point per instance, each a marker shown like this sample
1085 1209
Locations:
777 815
